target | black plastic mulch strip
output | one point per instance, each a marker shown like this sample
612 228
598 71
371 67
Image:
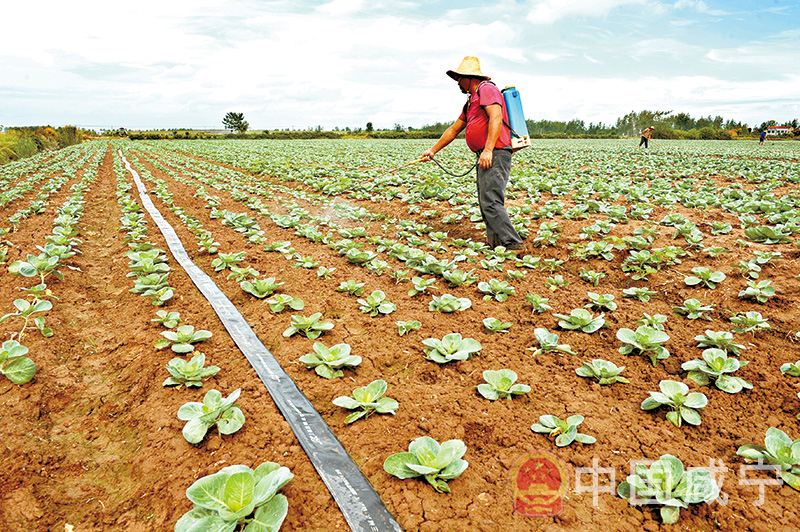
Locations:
362 507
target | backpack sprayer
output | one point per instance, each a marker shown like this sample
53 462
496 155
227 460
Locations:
519 129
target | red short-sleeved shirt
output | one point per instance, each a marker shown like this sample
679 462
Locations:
478 121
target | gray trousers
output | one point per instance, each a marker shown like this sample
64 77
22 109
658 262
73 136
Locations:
492 197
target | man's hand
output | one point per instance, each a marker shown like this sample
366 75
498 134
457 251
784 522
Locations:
428 155
485 162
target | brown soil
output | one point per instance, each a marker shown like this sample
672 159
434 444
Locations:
94 442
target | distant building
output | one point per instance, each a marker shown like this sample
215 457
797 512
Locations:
778 130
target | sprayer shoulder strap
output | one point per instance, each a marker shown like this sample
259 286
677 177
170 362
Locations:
502 104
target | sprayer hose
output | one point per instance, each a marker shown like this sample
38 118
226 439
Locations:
448 172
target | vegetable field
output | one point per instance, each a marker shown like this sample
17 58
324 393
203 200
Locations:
377 294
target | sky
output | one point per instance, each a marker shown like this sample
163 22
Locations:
300 64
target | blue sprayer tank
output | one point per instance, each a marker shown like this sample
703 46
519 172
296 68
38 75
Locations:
516 118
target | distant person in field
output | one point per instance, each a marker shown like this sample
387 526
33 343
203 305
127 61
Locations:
485 118
646 134
762 137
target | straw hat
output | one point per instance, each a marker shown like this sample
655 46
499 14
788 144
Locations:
468 67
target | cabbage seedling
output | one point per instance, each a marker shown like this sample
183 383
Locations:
580 319
676 395
600 302
281 301
226 260
713 367
792 369
459 277
182 338
214 410
565 431
761 291
327 362
14 364
426 458
604 371
644 340
500 385
167 319
368 400
310 327
405 327
421 286
325 273
41 265
591 276
226 499
555 282
495 325
451 347
26 311
693 309
241 274
538 303
376 303
548 342
666 483
656 321
750 321
261 288
721 340
448 303
499 290
642 293
351 287
705 276
190 374
779 450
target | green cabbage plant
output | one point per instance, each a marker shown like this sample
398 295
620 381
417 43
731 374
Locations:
182 338
714 367
426 458
214 410
779 450
310 327
676 395
565 431
449 303
500 385
580 319
548 342
451 347
329 361
236 495
367 401
190 374
644 340
665 483
604 371
14 364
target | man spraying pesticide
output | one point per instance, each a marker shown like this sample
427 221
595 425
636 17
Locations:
489 135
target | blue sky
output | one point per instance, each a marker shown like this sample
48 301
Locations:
301 64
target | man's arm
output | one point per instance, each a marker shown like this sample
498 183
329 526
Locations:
495 113
447 137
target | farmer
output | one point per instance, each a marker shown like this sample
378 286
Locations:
646 134
762 137
485 118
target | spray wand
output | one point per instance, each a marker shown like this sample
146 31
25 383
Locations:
423 160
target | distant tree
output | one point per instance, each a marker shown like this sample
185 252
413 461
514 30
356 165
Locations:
235 122
369 127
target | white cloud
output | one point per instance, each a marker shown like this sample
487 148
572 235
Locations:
549 11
